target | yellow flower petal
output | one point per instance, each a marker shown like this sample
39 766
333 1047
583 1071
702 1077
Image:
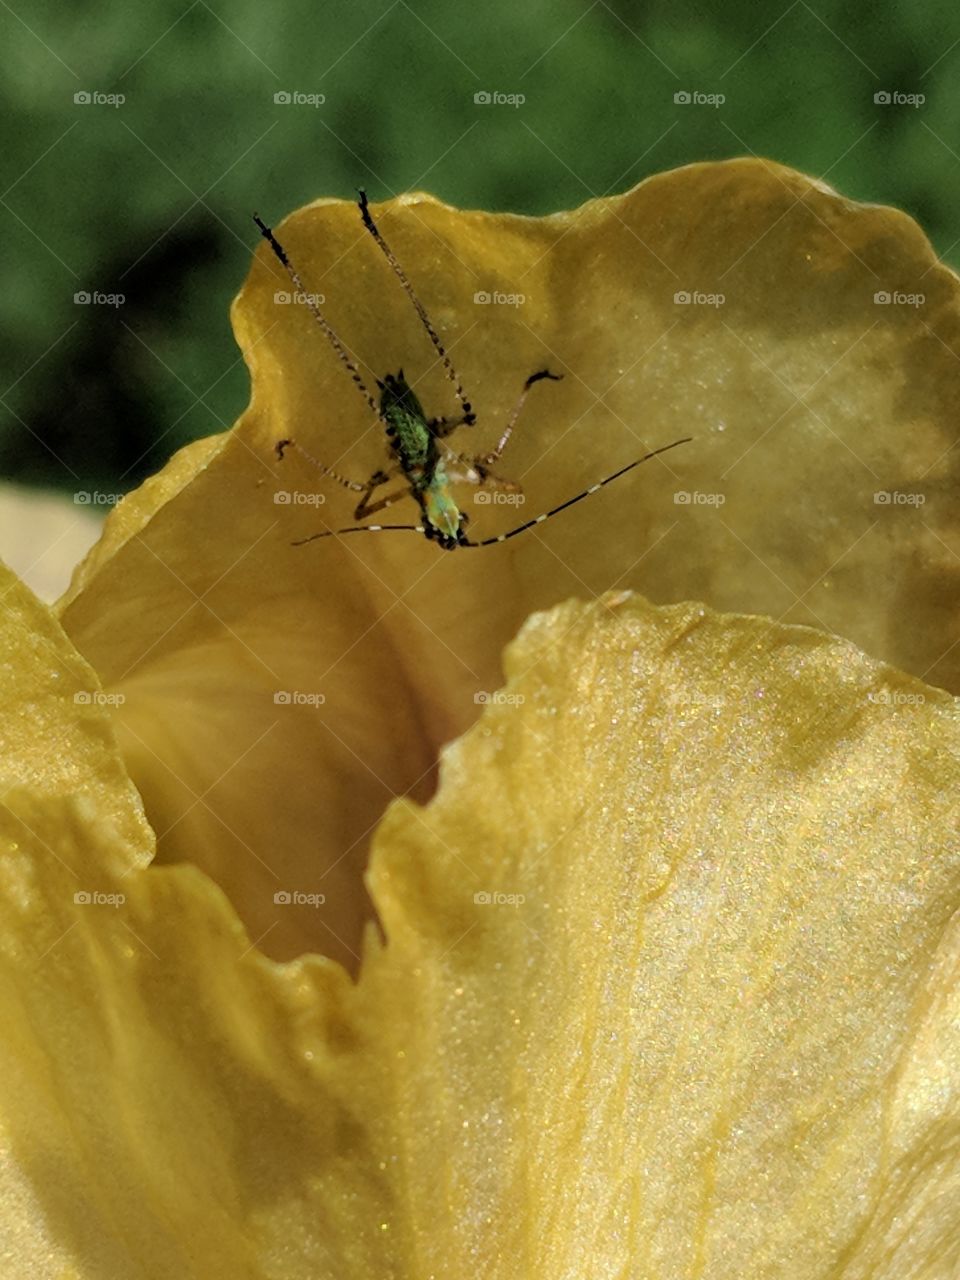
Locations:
669 987
709 1025
158 1098
805 398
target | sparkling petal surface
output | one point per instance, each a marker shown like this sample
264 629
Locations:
668 990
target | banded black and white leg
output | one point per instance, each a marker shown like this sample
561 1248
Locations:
364 506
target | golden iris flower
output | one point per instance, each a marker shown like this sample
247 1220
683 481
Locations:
664 980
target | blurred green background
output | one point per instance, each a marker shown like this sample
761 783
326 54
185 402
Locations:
152 198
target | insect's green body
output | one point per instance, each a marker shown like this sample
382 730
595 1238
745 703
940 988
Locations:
413 443
407 429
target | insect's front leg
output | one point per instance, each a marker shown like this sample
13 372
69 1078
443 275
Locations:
494 456
477 472
488 480
441 427
463 468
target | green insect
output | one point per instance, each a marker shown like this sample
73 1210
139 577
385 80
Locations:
418 445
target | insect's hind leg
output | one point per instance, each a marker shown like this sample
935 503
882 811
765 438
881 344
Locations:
367 508
375 480
354 486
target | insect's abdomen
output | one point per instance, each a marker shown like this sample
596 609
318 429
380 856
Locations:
410 438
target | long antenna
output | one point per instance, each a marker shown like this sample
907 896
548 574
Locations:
469 417
318 315
362 528
502 537
554 511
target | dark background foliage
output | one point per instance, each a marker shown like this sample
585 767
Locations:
152 198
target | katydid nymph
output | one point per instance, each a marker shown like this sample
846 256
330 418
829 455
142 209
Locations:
420 456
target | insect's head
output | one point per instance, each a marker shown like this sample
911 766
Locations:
448 541
396 396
